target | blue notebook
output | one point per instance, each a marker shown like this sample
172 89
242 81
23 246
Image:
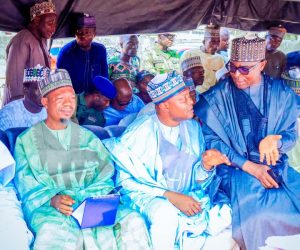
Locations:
97 211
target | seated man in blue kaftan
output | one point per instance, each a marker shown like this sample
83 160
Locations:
59 164
83 58
125 103
29 110
251 118
14 233
164 176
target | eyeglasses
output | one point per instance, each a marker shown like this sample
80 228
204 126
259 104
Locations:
123 104
244 70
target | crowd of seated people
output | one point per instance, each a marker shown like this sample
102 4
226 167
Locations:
202 148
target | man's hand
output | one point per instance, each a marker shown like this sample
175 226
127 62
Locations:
259 171
213 157
63 203
186 204
268 149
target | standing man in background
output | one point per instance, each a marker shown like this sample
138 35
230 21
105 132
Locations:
29 48
211 62
83 58
276 60
161 59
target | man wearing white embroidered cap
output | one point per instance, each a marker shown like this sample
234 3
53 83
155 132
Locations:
29 47
29 110
166 173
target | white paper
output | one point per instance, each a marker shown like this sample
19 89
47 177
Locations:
78 213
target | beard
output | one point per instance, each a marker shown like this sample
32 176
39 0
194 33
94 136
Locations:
65 121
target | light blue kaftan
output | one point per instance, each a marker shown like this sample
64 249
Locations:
143 174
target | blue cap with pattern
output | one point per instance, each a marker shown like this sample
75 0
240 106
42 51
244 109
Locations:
163 86
59 78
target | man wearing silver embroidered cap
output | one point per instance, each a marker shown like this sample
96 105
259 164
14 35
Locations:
59 165
28 48
276 59
29 110
251 118
162 161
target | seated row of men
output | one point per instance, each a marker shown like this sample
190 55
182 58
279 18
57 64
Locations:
183 185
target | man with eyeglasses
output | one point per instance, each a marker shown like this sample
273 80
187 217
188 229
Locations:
276 59
211 61
125 103
83 58
160 58
251 118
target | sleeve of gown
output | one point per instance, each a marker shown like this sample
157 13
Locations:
288 140
60 64
213 141
104 66
288 122
32 193
16 63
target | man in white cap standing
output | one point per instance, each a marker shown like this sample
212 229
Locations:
29 48
251 118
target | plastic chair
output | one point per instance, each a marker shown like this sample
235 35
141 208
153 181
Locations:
100 132
12 134
115 130
4 139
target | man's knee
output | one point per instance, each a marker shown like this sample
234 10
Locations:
163 214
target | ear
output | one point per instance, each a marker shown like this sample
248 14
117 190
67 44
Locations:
44 101
164 106
262 65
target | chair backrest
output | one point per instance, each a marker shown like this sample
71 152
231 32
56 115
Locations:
115 130
4 139
127 120
12 134
100 132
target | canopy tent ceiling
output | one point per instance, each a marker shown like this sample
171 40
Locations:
154 16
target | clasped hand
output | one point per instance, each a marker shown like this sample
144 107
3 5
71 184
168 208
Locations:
63 204
213 157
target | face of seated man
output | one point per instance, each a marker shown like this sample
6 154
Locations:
176 109
246 74
60 105
124 94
